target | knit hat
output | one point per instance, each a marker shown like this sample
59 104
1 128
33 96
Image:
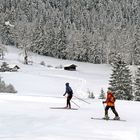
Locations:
67 84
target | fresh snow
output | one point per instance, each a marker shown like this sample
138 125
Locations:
27 114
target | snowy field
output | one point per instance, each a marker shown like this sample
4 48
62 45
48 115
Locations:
27 114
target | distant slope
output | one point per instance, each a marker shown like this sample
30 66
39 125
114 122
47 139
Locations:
37 79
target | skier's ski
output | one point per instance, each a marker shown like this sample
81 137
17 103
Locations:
63 108
106 119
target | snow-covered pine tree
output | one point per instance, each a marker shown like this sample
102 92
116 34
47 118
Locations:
121 81
24 36
90 94
3 50
137 85
38 42
102 95
7 34
61 42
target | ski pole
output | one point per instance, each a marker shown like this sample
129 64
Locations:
103 104
75 103
82 100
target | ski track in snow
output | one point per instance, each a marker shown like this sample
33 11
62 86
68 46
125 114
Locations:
82 81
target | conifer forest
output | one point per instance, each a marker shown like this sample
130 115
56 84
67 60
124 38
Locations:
82 30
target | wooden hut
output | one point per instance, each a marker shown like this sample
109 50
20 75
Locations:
70 67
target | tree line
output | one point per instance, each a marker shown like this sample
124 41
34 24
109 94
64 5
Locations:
83 30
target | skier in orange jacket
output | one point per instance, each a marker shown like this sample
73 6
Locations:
110 103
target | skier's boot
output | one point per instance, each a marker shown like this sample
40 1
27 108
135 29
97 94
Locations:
117 118
66 107
106 117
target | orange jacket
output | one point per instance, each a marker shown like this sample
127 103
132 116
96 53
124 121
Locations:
110 100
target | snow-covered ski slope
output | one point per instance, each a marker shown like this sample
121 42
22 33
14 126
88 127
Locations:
27 114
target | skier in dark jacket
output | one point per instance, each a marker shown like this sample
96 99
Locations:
69 93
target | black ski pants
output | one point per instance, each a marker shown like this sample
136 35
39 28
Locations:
68 101
113 110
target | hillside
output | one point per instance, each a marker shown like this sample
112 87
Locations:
27 114
38 79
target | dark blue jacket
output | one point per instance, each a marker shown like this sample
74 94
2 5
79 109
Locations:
68 91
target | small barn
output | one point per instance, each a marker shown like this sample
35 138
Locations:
6 67
14 67
70 67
